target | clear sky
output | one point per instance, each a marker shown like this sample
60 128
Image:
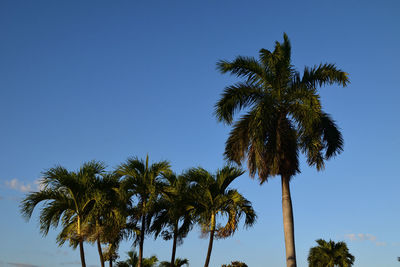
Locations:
105 80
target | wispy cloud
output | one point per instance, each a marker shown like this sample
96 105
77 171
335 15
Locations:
18 264
15 184
364 237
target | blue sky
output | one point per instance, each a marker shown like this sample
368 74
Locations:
105 80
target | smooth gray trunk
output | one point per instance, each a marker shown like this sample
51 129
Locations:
288 225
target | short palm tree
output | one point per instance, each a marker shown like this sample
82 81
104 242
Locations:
66 196
143 182
213 198
235 264
173 211
283 115
178 263
330 254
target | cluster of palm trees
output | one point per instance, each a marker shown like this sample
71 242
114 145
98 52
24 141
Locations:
282 117
134 200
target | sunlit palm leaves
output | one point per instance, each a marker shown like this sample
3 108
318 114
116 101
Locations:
330 254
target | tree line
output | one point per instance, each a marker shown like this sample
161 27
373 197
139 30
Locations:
281 116
134 200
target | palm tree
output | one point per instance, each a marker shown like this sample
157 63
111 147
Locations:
178 263
173 211
330 254
66 196
213 198
143 182
133 261
108 216
283 115
235 264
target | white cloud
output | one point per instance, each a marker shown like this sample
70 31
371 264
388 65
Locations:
364 237
351 237
23 187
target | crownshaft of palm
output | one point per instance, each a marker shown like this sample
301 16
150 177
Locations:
213 198
144 182
283 116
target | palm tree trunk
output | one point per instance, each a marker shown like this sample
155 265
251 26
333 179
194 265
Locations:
82 252
143 228
210 244
110 262
288 225
100 251
174 246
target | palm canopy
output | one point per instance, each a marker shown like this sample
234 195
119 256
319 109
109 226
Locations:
174 207
65 195
330 254
282 113
213 197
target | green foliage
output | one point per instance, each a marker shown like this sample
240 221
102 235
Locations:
178 263
235 264
213 197
283 113
330 254
67 197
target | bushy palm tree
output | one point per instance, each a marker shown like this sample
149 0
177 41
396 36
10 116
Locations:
213 198
133 261
173 211
178 263
235 264
66 196
330 254
143 182
283 115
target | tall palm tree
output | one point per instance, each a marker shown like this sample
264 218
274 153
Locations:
143 182
214 198
173 211
330 254
66 196
283 115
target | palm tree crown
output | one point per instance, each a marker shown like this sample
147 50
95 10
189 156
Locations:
283 113
330 254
